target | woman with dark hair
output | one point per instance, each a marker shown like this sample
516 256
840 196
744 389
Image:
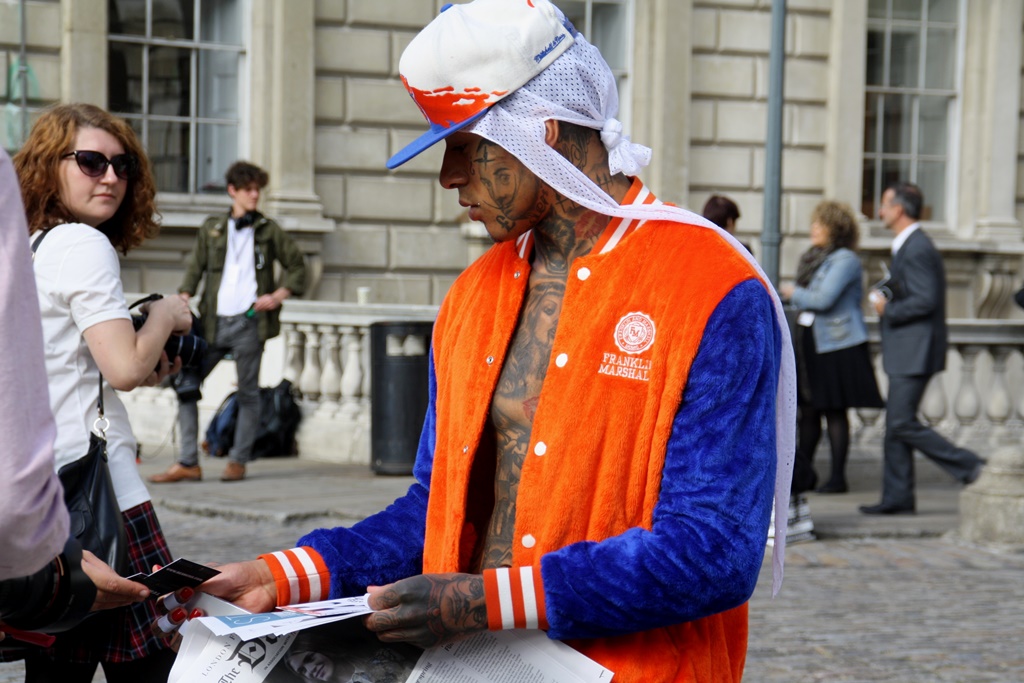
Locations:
88 193
834 370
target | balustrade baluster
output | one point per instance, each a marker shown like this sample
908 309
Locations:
999 407
933 405
352 374
330 379
967 406
294 343
309 381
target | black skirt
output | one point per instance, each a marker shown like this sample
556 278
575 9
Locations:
835 380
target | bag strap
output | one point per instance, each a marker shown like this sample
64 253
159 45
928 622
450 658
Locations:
37 242
102 423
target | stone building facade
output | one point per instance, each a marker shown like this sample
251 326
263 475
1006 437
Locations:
309 89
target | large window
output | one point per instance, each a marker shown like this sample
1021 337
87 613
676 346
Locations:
175 70
912 81
608 24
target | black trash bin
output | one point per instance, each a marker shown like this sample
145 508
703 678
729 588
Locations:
398 384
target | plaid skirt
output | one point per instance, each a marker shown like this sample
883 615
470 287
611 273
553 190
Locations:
123 634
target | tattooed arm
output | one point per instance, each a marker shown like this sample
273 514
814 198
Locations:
427 609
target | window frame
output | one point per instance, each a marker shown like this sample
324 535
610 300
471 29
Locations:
195 46
954 98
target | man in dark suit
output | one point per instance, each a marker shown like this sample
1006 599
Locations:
913 324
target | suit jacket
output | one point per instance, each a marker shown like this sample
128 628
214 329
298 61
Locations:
834 295
913 326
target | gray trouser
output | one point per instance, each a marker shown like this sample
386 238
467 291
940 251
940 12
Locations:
240 337
904 434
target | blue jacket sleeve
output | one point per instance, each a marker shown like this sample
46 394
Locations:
843 271
387 546
704 550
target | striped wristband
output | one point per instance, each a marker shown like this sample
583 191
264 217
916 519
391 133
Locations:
300 575
515 598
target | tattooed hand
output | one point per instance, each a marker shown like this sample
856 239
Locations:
425 610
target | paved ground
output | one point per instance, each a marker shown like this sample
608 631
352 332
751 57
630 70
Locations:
890 599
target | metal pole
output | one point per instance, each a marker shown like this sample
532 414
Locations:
23 73
771 233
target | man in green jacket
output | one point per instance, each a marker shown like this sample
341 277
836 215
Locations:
239 308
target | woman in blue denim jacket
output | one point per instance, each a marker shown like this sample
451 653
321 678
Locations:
834 370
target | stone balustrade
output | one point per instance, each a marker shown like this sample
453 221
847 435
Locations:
324 350
978 401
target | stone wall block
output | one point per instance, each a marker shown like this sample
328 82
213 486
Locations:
427 248
331 190
398 288
377 102
357 246
745 31
342 147
811 36
389 198
723 75
808 5
801 169
741 121
331 10
353 50
329 98
723 167
704 29
805 125
702 120
411 13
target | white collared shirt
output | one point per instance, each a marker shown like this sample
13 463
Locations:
901 238
238 282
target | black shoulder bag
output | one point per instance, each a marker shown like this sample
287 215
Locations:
96 519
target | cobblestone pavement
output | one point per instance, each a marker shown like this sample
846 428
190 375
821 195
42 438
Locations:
901 610
857 607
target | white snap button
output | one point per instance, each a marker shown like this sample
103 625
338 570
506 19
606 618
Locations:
529 541
562 359
541 448
465 449
517 274
583 273
490 360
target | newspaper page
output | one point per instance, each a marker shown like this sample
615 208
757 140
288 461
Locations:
325 643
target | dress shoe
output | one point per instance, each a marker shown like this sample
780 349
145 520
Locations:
833 487
178 472
235 471
887 509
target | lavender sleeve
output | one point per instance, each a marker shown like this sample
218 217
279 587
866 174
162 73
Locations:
35 521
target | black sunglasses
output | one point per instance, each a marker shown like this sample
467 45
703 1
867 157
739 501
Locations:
94 164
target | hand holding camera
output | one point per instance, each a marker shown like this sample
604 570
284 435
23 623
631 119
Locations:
183 343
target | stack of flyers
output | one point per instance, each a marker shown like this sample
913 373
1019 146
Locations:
290 619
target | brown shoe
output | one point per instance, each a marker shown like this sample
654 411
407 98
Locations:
235 471
178 472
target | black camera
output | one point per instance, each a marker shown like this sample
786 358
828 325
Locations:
190 347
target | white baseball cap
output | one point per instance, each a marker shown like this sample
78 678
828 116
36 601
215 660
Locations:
473 55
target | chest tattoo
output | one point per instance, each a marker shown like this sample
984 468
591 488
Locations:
515 404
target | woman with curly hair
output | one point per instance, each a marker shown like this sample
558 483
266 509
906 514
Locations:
834 369
89 192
